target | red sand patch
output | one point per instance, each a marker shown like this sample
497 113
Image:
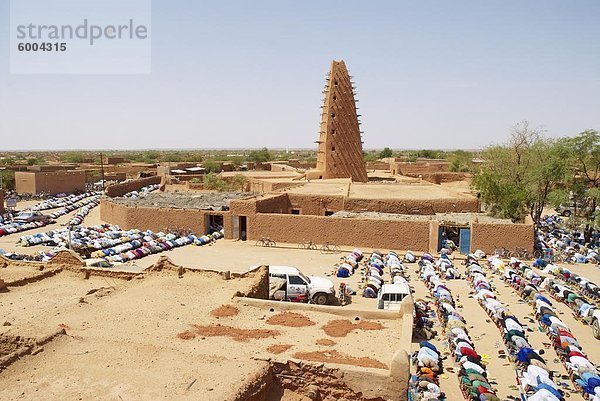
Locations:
341 328
290 319
326 342
235 333
279 348
342 359
186 335
225 311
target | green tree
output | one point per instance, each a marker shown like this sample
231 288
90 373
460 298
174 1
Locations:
237 161
172 157
461 161
584 178
214 182
150 156
239 182
260 156
518 176
386 152
8 179
429 154
211 166
73 157
370 156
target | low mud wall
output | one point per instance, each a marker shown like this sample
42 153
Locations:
420 167
439 178
385 234
256 280
320 382
158 219
488 237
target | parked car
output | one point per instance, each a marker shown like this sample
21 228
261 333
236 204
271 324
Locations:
288 283
391 295
29 217
569 210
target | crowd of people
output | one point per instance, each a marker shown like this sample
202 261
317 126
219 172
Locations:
554 238
152 243
374 272
581 370
82 203
349 264
425 385
583 285
81 214
535 379
88 202
142 192
14 227
111 242
62 202
472 372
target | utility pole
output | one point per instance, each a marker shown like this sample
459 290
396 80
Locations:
102 170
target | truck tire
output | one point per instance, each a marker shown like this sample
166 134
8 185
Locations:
320 298
596 329
567 213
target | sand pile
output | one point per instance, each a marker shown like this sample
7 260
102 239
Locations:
290 319
217 330
341 328
225 311
279 348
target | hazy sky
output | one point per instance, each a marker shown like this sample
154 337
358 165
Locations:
225 74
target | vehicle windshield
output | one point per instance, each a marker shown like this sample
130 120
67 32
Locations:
24 215
304 277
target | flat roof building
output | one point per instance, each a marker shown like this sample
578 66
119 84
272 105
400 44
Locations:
54 182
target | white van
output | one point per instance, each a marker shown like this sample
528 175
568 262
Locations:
391 295
288 283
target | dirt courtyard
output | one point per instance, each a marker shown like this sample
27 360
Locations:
162 337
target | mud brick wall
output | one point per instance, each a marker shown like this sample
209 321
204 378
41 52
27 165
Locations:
158 219
368 233
488 237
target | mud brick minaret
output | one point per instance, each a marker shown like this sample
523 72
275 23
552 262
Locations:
340 144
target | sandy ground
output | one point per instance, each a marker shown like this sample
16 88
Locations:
124 341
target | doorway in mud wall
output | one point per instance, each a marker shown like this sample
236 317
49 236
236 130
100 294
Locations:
243 230
458 236
214 223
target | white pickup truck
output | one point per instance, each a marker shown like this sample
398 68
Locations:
292 284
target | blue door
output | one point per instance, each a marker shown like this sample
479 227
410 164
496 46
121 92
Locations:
465 241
